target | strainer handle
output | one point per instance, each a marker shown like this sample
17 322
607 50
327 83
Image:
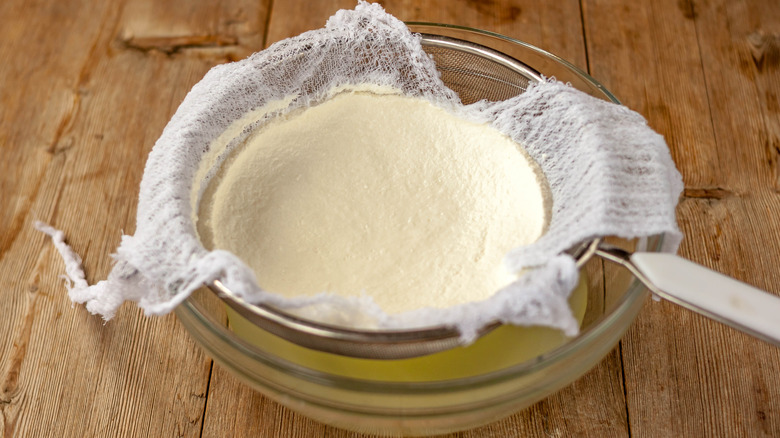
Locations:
707 292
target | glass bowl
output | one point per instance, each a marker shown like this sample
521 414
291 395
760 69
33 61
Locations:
374 396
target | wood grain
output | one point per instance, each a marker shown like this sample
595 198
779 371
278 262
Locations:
82 114
697 80
87 87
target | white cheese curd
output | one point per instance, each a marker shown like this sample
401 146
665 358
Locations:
378 194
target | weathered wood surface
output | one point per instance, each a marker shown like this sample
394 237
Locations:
87 87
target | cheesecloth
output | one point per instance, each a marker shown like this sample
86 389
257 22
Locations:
608 172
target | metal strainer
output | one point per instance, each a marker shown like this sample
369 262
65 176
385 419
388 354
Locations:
476 72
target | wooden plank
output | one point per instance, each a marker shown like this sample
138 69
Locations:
692 69
592 406
651 62
78 119
36 110
739 45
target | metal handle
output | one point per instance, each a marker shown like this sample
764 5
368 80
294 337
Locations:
702 290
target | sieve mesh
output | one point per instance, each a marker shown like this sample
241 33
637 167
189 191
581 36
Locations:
476 72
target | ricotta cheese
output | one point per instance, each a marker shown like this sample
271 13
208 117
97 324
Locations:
378 194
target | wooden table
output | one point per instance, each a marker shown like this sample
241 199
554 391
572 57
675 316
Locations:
86 87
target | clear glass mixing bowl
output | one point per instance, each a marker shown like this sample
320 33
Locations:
396 406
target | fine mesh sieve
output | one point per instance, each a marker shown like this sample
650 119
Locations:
475 72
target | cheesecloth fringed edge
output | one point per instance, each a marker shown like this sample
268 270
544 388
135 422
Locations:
609 175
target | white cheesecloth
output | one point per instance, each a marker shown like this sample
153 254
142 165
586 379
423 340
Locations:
608 172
